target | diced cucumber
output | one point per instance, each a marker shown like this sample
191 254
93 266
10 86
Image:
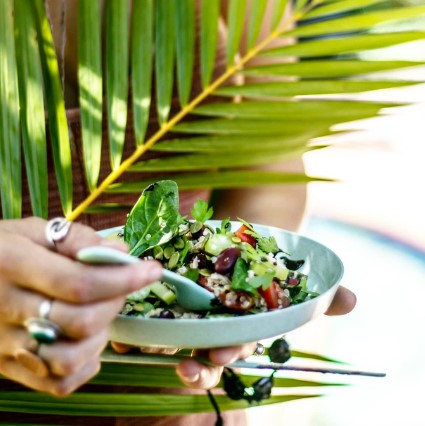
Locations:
217 243
281 271
261 268
162 291
139 295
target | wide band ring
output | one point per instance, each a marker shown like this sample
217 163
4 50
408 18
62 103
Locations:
41 328
56 230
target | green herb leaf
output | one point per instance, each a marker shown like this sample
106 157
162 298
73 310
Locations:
201 212
268 245
240 275
154 219
225 226
263 281
192 274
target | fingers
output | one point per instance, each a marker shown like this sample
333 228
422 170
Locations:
59 277
78 237
55 385
343 302
200 376
223 356
63 365
76 321
122 348
66 358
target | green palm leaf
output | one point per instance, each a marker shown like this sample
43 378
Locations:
258 9
299 88
357 22
185 14
224 179
225 160
210 10
58 125
141 64
342 45
341 111
338 7
235 21
90 87
110 404
32 108
278 11
328 69
165 54
116 76
10 146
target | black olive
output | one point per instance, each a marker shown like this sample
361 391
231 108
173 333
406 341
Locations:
279 351
226 260
203 262
166 314
198 234
293 265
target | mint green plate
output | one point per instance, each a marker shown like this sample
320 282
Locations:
324 270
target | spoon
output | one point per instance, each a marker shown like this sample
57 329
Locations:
189 294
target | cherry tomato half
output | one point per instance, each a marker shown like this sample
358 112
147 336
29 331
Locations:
246 238
271 295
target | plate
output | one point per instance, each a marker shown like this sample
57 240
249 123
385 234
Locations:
323 267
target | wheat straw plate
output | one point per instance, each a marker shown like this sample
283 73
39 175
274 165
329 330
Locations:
323 267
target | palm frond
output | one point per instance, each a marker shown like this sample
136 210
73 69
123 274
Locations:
119 405
317 54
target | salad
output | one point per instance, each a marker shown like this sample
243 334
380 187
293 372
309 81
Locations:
248 273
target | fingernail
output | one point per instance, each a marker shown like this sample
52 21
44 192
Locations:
32 362
191 379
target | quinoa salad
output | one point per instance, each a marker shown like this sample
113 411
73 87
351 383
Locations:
247 273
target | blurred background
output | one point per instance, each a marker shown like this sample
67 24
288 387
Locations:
372 217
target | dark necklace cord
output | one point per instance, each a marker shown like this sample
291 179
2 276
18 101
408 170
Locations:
219 421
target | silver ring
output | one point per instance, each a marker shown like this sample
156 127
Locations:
56 230
41 328
260 349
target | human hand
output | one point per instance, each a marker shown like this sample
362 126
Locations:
196 375
85 299
200 376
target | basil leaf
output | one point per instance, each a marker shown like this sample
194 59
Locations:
240 275
154 219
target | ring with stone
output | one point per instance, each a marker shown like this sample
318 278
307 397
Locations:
56 230
41 328
259 349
